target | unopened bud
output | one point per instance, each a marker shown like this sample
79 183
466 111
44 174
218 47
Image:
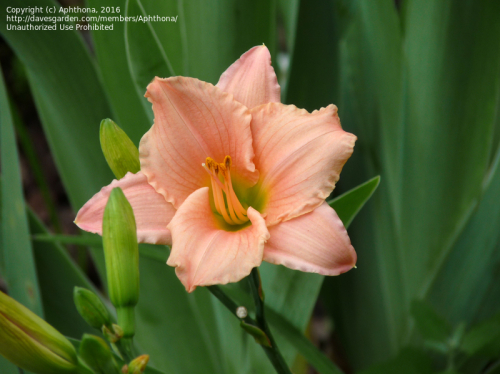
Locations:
31 343
120 152
138 365
113 334
91 308
121 253
97 355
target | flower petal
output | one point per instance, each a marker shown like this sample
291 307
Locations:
315 242
299 155
193 120
204 253
251 79
152 213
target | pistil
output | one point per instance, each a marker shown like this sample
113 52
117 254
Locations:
229 208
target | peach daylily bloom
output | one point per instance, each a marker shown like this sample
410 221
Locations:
230 177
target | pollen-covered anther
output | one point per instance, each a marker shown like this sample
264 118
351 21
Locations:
229 207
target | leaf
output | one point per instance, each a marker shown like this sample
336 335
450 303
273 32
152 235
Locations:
17 255
429 324
8 367
313 80
117 81
145 54
405 74
409 361
58 275
149 369
293 293
157 252
483 339
463 266
312 354
70 102
350 203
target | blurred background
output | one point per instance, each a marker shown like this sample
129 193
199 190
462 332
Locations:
417 81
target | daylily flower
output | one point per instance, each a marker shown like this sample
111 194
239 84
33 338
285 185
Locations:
230 177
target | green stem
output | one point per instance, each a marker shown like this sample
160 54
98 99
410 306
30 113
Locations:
272 352
126 348
229 303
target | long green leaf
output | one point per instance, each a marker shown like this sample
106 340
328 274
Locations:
145 54
158 252
18 262
8 367
69 99
313 80
350 203
58 275
312 354
405 76
111 57
471 262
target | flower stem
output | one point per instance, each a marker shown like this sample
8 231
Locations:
126 348
272 352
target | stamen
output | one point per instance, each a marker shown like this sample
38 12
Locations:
234 213
238 208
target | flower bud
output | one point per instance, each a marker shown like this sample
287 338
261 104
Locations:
120 152
97 355
121 253
113 334
138 364
91 308
31 343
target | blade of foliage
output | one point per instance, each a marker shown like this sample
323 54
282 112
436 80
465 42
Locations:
483 339
145 54
120 362
472 261
312 354
409 361
17 257
88 240
350 203
469 29
172 324
292 293
36 168
156 252
429 324
8 367
228 27
111 56
58 275
405 74
70 101
313 79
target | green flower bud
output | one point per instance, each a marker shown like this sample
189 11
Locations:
97 355
121 252
138 365
91 308
120 153
31 343
113 334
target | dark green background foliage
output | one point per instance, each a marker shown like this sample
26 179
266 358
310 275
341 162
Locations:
417 81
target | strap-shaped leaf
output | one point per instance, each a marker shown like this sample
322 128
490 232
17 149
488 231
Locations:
18 265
